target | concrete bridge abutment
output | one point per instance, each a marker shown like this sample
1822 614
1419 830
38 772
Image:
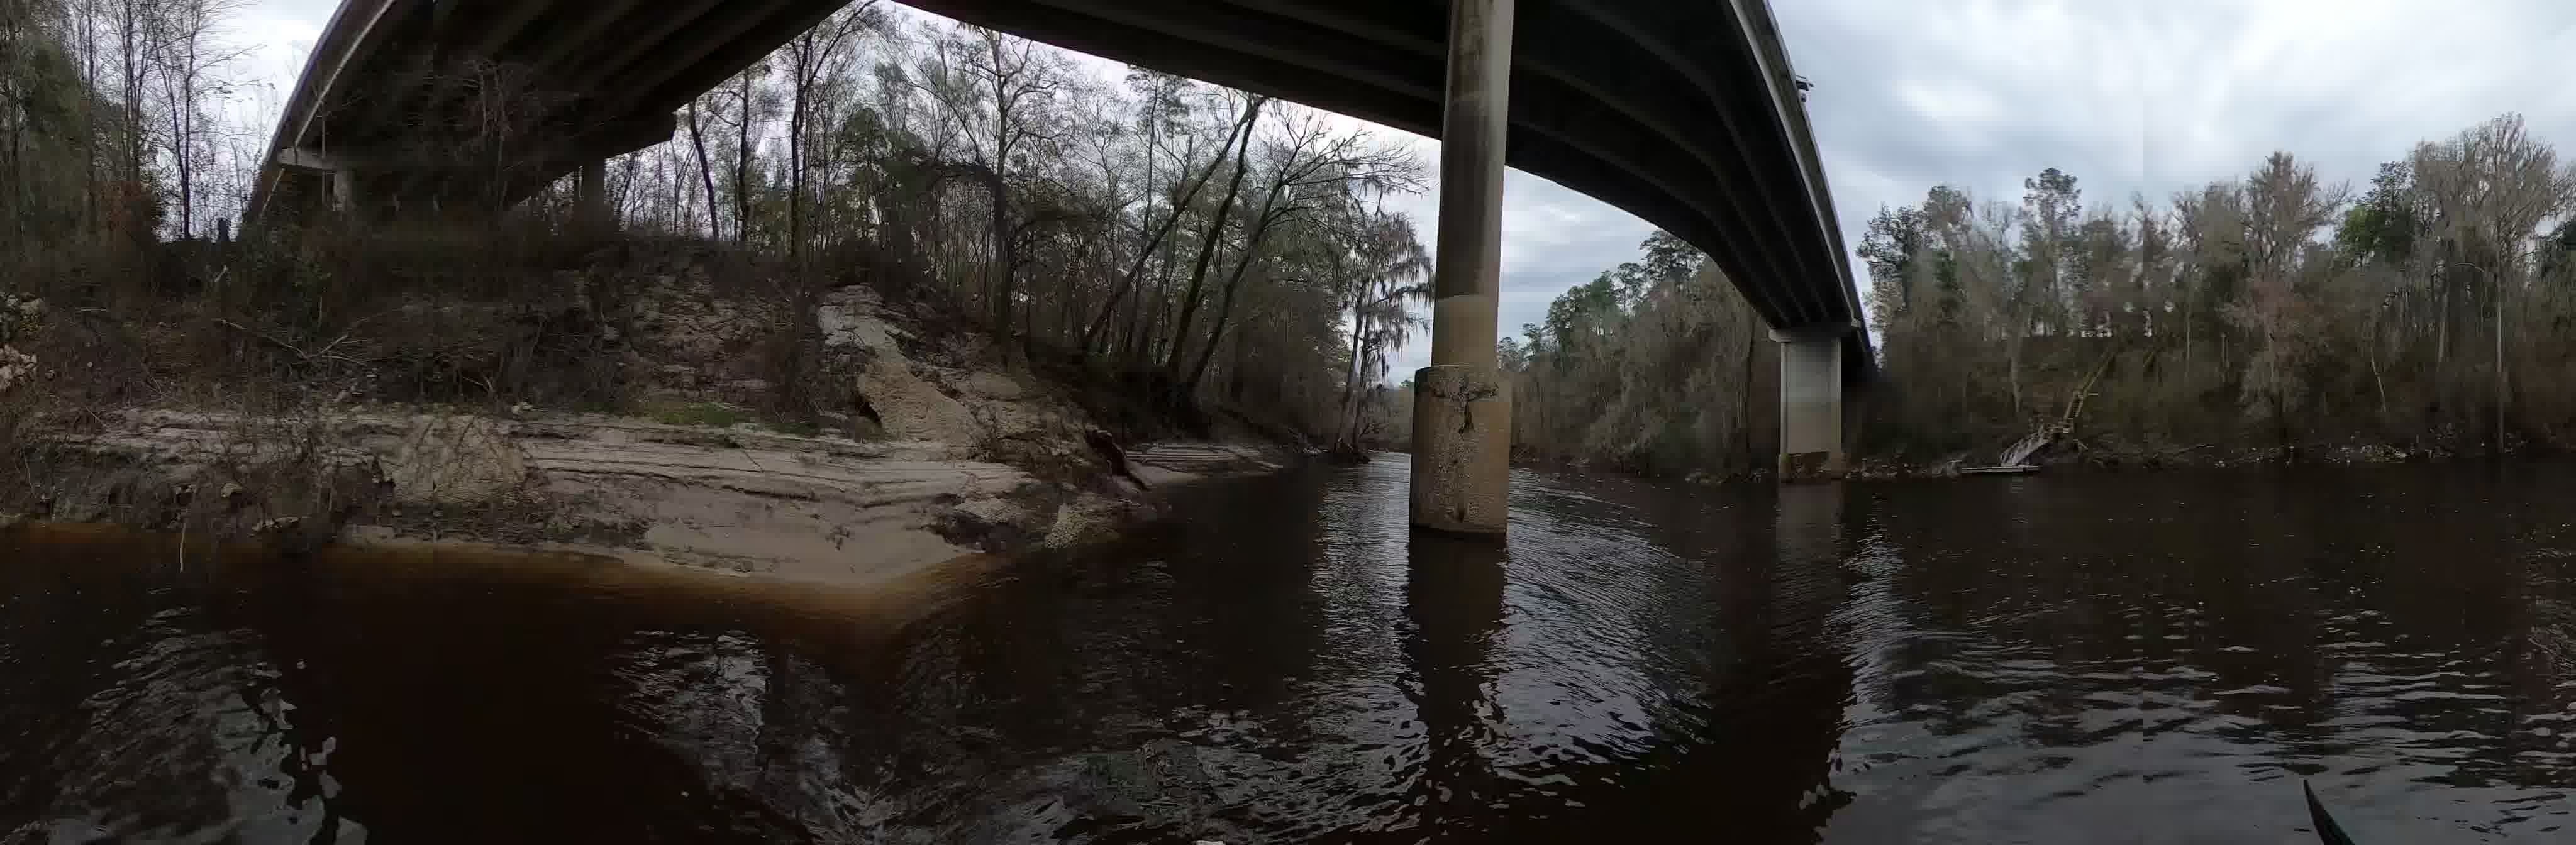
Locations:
1812 445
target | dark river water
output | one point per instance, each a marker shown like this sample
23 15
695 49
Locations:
2140 658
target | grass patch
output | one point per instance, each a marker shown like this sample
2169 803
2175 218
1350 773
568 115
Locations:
801 428
721 415
709 414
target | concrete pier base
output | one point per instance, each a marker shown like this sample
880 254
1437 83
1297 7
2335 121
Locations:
591 197
1811 404
1462 408
344 191
1462 449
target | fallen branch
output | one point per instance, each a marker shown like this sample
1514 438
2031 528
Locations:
299 351
326 353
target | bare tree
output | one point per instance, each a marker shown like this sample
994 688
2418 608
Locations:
1312 166
1382 276
811 58
188 65
1159 234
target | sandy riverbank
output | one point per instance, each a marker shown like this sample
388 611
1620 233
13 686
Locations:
808 508
930 441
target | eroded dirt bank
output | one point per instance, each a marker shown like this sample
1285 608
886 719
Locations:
937 447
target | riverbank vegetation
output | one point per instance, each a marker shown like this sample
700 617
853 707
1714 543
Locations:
882 290
1657 365
1190 250
2431 311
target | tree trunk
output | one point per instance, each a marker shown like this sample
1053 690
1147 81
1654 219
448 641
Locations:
2012 355
2442 331
706 173
1157 314
1004 259
796 155
177 89
1162 234
1005 253
1351 374
89 114
742 169
1233 283
1234 381
1744 406
1207 247
2375 382
129 43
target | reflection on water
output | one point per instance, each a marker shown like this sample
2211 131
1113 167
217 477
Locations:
2137 658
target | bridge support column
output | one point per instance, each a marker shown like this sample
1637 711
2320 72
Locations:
1811 403
344 191
590 203
1462 408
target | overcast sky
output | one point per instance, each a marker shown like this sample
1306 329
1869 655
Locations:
2129 97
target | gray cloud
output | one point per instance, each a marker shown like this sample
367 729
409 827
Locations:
2131 98
281 33
2155 97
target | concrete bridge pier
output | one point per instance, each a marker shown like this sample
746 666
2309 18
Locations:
591 197
1811 402
344 190
1462 407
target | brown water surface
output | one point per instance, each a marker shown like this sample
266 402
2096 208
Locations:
2153 658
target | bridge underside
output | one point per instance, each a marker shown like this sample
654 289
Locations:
1685 114
1681 113
461 106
